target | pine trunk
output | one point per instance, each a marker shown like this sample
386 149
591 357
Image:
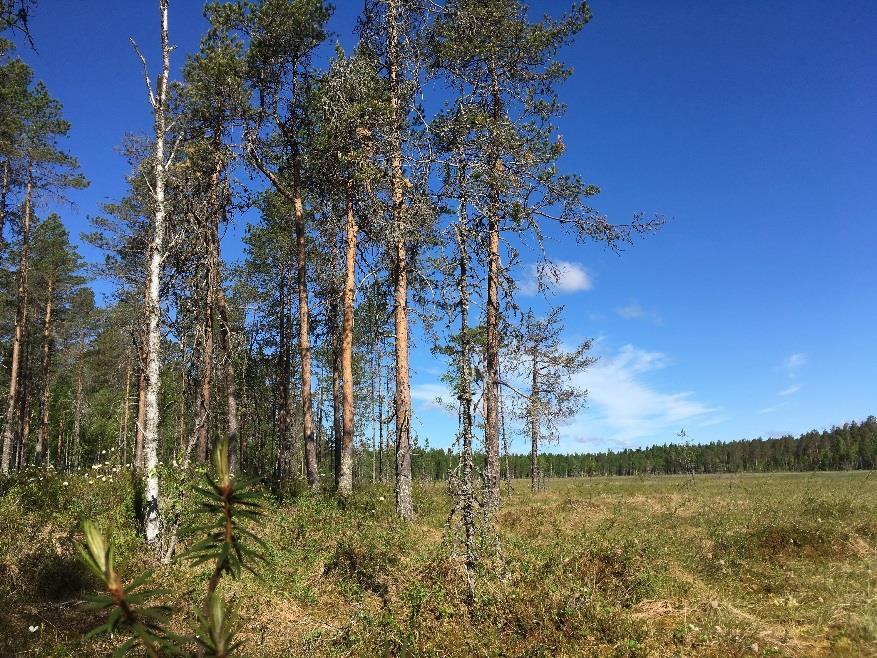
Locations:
202 426
225 333
467 485
337 403
404 502
4 192
43 437
304 337
491 384
345 482
123 424
77 409
535 481
9 433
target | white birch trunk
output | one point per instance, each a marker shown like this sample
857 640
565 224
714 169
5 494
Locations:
153 301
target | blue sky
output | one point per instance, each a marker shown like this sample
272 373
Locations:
752 126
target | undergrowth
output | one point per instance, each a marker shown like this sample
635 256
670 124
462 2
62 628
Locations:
717 566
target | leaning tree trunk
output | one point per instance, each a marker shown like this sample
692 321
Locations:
404 503
153 300
345 482
9 433
43 437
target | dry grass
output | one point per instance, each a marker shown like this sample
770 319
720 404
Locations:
713 566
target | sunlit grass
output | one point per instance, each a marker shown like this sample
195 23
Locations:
730 565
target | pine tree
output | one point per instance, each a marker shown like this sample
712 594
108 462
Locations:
47 170
55 280
508 70
281 36
536 355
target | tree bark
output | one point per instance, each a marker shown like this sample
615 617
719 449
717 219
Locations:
202 427
467 493
77 406
304 337
283 372
491 383
43 437
337 403
4 192
123 429
9 433
534 426
24 406
153 301
60 444
225 331
345 483
404 502
382 471
229 381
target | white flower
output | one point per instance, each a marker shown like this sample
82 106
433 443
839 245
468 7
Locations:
66 484
33 629
381 499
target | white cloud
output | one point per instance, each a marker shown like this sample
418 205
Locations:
793 362
559 276
634 311
624 407
791 390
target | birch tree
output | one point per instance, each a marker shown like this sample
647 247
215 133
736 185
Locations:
158 100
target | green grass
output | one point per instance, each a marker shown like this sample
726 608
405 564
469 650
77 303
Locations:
735 565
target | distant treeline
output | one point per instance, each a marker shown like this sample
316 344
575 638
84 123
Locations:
851 446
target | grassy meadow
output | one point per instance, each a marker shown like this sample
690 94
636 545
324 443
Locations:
730 565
